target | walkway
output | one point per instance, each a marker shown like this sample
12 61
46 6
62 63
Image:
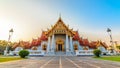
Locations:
60 62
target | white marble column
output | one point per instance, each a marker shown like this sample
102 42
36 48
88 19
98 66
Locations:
67 44
53 44
71 44
48 46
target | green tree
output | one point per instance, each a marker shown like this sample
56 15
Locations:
23 53
97 52
3 45
2 48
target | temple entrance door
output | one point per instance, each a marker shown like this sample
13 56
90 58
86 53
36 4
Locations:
59 47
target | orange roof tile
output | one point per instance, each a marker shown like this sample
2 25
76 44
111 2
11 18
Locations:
85 42
76 36
43 36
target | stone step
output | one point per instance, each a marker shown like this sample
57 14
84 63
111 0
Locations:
61 54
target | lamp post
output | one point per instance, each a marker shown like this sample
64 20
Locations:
111 40
10 34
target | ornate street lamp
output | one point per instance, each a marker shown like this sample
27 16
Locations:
10 34
111 40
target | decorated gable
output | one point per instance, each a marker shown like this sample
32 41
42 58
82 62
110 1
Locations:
60 28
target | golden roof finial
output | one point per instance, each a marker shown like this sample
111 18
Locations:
59 16
52 26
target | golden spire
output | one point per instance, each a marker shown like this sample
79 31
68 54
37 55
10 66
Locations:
60 17
52 26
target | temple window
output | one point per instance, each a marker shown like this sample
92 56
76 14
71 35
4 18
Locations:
75 47
44 47
34 48
85 48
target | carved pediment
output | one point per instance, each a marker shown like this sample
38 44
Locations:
60 28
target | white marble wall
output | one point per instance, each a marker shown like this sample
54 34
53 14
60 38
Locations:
79 46
102 48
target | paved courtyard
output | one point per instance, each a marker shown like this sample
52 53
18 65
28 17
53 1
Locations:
60 62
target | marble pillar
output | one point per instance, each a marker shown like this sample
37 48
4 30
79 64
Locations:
67 44
71 45
48 46
53 44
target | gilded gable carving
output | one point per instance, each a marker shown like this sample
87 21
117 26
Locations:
60 28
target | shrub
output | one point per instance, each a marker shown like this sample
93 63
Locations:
23 53
97 52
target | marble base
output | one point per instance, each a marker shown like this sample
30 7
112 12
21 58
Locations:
69 53
51 53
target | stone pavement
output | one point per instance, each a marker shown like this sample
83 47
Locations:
60 62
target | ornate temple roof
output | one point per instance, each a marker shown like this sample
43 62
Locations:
24 44
85 42
34 42
43 36
61 28
95 44
76 36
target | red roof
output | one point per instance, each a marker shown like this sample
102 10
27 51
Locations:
104 44
85 42
76 36
37 42
93 44
81 42
15 45
34 42
43 36
24 44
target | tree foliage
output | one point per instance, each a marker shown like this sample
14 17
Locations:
23 53
3 45
97 52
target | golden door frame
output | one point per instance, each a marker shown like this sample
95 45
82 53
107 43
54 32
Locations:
59 41
75 46
44 47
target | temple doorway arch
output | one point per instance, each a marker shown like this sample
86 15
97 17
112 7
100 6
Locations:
44 47
75 47
59 44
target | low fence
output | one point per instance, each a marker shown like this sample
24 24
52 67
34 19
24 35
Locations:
36 52
84 52
32 53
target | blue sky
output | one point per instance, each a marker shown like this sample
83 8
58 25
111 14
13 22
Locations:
95 14
99 13
90 17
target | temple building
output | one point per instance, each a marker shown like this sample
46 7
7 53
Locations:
61 39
